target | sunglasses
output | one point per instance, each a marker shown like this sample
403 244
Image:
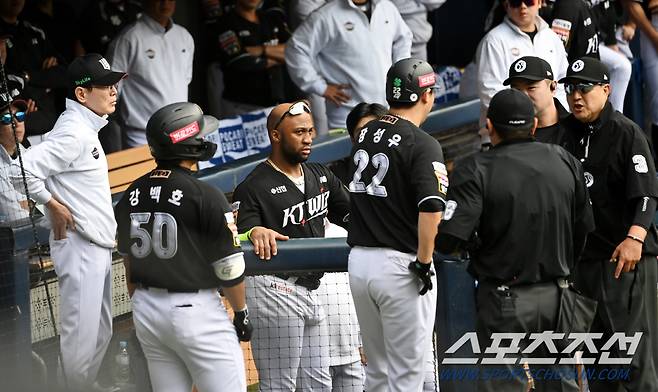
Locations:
6 118
517 3
582 88
295 109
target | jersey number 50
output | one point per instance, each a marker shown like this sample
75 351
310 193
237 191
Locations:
164 239
380 162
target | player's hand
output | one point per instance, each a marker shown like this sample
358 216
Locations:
627 32
264 241
626 255
49 62
424 273
61 218
31 106
335 93
362 354
242 325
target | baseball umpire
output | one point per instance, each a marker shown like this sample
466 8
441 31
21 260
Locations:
287 197
618 266
528 206
397 192
180 244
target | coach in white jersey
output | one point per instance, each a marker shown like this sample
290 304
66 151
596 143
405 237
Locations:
68 173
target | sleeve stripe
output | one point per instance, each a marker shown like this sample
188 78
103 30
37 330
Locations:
431 197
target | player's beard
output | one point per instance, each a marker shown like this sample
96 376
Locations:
291 156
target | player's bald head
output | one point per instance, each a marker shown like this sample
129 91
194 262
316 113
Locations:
276 114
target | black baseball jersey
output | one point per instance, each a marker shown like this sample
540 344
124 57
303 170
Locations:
619 171
174 226
395 167
101 21
605 15
572 20
270 199
528 204
556 133
247 78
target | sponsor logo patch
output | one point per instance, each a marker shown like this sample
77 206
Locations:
427 80
387 118
184 133
160 174
562 28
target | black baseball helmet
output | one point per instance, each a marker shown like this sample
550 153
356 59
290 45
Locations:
407 79
176 131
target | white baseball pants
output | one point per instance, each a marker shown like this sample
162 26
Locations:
85 312
396 322
620 74
188 339
290 344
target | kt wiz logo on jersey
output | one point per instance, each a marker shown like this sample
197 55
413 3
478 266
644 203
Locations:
316 206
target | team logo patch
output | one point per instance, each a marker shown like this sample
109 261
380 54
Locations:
104 64
515 51
150 53
589 179
413 97
441 174
426 80
562 28
184 133
349 26
578 66
278 189
95 153
451 206
387 118
229 42
160 174
520 66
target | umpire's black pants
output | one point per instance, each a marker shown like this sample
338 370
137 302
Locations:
627 305
523 309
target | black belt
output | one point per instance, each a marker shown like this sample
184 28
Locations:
309 283
146 287
561 282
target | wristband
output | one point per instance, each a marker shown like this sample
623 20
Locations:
634 238
246 236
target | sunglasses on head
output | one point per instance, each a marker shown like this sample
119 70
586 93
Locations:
5 119
295 109
517 3
582 88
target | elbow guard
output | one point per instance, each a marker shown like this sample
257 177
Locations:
230 269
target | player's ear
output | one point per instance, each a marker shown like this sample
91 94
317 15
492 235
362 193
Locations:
427 96
80 94
489 126
534 127
275 135
553 86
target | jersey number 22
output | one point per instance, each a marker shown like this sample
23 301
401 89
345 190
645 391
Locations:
380 162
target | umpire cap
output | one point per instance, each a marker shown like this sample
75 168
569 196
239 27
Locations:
176 131
407 79
511 109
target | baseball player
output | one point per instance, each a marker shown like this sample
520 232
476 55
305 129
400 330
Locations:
180 244
68 173
528 204
618 266
285 197
398 192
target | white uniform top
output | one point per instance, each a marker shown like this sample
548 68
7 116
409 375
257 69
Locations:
414 13
338 45
70 165
504 44
10 209
159 66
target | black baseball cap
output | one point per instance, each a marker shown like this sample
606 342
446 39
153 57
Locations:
407 79
510 109
529 68
587 69
92 69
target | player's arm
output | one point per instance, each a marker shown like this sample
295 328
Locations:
250 224
339 201
638 16
641 191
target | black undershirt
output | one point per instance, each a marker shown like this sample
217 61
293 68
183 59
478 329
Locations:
532 34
